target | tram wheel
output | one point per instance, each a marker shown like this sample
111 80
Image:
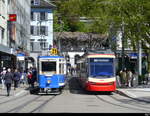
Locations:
31 91
109 92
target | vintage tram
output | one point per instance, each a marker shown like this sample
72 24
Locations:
51 74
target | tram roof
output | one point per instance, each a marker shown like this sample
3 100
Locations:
50 57
101 53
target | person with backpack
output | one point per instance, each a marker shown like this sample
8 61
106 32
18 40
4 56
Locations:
2 77
8 80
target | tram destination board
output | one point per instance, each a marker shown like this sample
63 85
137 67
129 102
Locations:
101 59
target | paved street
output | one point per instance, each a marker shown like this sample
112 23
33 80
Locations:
72 100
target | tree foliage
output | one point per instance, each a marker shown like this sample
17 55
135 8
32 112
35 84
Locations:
133 14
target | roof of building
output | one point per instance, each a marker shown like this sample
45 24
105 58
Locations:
44 4
79 36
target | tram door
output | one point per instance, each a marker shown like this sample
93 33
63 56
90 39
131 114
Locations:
62 67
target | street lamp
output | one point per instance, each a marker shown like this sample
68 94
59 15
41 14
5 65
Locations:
122 60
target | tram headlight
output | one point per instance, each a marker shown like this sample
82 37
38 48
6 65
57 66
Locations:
111 83
48 81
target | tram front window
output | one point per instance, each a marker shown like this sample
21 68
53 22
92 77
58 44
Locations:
48 66
101 68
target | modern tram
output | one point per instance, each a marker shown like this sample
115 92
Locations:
96 71
51 74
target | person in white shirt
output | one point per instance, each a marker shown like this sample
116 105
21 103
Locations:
2 77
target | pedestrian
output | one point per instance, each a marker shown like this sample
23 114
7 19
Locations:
129 78
34 72
121 78
146 78
125 78
22 79
2 77
29 76
16 78
8 80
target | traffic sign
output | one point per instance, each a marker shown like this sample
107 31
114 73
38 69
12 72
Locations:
54 51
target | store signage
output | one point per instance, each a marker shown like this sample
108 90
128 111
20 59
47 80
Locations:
12 17
21 58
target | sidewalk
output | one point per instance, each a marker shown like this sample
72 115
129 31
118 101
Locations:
18 91
141 93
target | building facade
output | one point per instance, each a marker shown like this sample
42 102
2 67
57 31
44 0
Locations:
41 27
7 55
19 29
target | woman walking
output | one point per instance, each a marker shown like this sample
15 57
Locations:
8 80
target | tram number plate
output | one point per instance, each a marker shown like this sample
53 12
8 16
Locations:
48 81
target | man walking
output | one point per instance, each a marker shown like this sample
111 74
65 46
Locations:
8 80
17 76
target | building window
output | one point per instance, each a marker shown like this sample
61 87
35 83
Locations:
42 40
39 30
35 2
32 30
32 47
32 16
44 30
43 16
44 45
2 30
32 2
32 40
35 46
38 16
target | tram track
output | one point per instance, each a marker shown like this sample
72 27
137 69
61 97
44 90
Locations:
115 104
20 107
12 100
140 104
128 107
43 104
16 109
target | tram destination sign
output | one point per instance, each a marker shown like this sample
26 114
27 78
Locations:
101 59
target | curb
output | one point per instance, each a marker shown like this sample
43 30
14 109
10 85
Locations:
126 95
121 93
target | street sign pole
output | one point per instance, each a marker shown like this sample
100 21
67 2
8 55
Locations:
122 60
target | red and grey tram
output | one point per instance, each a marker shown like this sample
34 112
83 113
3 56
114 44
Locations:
96 71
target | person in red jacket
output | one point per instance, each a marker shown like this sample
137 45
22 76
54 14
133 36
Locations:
29 76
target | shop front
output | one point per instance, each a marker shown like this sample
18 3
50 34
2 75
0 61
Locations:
7 57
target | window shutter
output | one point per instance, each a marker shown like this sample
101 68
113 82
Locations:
46 16
38 16
46 30
35 30
38 30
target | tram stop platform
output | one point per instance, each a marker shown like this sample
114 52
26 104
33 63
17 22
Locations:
140 93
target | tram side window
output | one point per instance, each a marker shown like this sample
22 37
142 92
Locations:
83 68
48 66
61 68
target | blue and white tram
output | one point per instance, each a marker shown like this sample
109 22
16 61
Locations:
51 74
